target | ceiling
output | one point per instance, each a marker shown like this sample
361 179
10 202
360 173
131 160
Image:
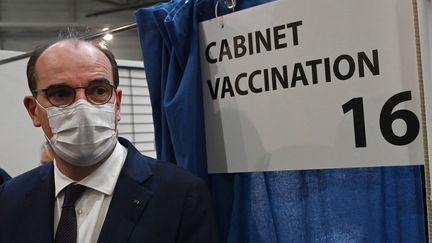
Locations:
27 23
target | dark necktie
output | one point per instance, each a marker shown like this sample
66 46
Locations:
67 227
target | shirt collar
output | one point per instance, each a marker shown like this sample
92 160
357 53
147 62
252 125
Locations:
103 179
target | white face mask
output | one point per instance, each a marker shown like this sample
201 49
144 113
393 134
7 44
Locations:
83 134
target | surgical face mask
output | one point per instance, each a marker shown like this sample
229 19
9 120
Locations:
83 134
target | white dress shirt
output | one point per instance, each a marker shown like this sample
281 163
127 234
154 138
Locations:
92 207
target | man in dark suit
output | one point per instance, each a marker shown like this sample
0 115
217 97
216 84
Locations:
4 176
99 187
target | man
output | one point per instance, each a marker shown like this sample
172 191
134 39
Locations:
124 196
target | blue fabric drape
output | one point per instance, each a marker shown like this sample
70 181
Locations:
344 205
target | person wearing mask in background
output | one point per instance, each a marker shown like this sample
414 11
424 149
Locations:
4 176
99 188
46 153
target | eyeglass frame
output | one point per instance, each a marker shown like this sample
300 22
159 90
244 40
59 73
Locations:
105 81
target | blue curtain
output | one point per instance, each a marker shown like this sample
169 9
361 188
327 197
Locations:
344 205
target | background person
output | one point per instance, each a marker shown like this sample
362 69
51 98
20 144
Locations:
46 154
4 176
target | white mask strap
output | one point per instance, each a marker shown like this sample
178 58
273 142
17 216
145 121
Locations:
37 102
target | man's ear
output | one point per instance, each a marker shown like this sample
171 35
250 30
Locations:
119 94
30 104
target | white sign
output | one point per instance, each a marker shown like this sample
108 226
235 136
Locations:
302 84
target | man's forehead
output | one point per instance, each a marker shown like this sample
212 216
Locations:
71 53
68 47
71 57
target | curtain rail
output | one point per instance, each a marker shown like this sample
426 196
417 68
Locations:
125 7
86 37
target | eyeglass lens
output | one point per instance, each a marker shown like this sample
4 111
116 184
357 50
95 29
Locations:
63 95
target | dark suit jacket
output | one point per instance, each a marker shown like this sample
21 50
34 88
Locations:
3 176
153 201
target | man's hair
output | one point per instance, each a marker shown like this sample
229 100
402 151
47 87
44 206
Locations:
31 64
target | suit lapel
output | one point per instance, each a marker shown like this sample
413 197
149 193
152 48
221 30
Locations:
126 208
40 204
129 199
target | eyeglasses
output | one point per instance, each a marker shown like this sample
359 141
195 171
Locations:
61 95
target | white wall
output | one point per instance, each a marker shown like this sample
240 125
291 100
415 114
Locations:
20 140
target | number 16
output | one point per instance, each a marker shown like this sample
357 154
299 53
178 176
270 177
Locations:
387 117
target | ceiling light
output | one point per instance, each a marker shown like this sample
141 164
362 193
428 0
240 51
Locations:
107 37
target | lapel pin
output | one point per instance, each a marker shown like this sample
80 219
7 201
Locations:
136 202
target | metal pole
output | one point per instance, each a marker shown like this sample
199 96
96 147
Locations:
111 31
